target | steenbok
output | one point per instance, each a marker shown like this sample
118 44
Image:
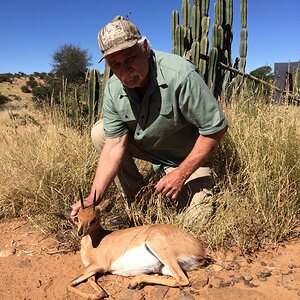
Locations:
152 249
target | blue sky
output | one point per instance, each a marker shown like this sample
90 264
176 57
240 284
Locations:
31 31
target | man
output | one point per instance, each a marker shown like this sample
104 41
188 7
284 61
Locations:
156 108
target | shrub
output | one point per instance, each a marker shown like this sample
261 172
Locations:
42 92
25 89
6 77
3 99
32 83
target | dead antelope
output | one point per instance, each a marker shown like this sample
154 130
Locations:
157 249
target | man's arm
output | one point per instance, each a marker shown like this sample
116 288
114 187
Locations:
108 165
171 184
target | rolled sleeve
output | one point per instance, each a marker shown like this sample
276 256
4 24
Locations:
199 107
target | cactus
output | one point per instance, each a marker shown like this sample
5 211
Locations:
192 35
174 24
186 13
196 23
296 82
212 68
179 40
243 35
94 91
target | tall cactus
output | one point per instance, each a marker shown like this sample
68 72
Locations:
93 80
243 35
296 82
197 21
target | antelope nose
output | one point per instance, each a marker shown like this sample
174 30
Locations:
80 232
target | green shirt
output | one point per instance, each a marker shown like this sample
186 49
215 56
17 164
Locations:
175 109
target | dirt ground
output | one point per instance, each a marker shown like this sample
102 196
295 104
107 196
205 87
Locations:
32 267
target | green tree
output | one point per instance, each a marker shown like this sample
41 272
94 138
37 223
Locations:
71 62
264 72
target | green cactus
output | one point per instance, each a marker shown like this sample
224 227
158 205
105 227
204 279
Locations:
196 23
186 13
174 24
243 13
296 82
243 35
195 53
93 91
204 7
212 68
193 34
179 40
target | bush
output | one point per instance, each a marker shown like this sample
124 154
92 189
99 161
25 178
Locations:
32 83
42 92
6 77
25 89
3 99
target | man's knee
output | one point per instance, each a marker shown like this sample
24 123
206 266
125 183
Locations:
98 136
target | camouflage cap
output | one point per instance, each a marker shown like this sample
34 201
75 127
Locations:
116 36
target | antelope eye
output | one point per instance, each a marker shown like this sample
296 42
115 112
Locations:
93 222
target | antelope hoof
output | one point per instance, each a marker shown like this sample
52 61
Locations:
135 286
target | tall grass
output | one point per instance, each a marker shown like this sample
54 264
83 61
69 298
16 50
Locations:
256 167
42 166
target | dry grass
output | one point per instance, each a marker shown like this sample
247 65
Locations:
257 173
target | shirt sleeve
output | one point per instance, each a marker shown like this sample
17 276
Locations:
198 105
112 123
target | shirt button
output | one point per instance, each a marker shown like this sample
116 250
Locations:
137 133
126 116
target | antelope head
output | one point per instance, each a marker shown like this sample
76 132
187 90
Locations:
88 217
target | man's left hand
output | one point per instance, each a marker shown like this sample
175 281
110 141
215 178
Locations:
171 184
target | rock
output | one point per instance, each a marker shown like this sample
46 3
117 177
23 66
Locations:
7 252
225 284
298 293
262 263
264 274
184 296
159 292
217 268
131 295
200 283
262 279
292 266
39 283
248 283
24 263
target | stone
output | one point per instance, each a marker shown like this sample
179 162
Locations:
24 263
200 283
131 295
7 252
159 292
184 296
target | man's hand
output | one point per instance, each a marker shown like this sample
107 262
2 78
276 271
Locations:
76 206
171 184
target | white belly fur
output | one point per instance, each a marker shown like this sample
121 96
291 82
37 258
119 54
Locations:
137 260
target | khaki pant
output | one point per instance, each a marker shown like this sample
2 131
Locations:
194 201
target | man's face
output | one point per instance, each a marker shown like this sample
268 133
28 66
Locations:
131 66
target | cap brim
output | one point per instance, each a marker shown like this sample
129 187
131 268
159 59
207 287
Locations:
117 48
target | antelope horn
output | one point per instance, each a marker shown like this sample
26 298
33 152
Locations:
81 199
95 199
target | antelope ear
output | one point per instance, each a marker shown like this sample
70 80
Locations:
105 205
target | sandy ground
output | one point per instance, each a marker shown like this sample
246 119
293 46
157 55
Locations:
32 267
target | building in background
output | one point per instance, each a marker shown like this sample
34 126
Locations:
283 78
